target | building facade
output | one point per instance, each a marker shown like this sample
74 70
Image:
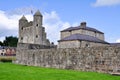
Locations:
32 32
7 51
81 36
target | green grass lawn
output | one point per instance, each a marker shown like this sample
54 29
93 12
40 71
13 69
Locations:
9 71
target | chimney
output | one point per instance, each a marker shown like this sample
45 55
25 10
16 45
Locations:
83 24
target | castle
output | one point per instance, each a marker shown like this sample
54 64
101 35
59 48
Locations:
79 48
32 32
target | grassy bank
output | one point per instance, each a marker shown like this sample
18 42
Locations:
9 71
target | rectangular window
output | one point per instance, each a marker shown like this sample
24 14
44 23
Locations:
21 38
36 24
36 36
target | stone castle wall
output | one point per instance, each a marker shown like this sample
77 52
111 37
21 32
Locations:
26 33
101 59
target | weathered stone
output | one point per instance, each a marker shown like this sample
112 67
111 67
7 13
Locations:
32 32
101 59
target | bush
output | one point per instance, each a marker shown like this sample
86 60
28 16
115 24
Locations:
6 59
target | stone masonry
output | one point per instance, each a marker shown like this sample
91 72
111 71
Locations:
32 32
80 48
100 59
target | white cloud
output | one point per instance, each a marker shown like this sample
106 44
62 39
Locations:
118 40
51 21
9 24
54 25
99 3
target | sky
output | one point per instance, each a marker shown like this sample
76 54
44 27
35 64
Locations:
103 15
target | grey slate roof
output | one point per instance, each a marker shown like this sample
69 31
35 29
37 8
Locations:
5 47
82 37
38 13
115 44
23 18
78 27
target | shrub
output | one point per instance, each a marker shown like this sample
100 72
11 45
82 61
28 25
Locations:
6 59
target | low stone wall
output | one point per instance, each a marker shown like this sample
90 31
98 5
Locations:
101 59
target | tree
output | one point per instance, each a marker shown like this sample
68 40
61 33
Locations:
1 44
10 41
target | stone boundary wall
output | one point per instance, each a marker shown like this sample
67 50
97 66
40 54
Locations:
100 59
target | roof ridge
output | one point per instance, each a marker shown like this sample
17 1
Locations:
78 27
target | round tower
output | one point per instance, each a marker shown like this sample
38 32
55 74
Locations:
37 19
22 23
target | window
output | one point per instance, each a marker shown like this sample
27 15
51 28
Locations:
22 28
87 45
3 50
36 36
36 24
2 54
21 38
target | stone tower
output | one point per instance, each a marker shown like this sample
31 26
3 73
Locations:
32 32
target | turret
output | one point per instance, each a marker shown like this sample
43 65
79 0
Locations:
23 22
37 19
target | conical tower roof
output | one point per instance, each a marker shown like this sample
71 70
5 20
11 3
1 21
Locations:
23 18
38 13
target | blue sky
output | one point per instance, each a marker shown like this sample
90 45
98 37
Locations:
103 15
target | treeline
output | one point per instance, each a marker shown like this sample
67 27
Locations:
9 41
